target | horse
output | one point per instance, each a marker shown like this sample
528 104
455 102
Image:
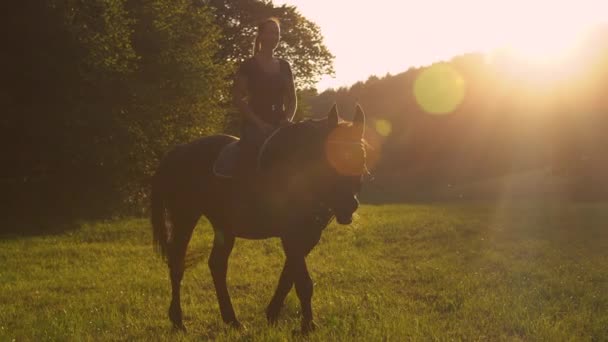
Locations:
308 174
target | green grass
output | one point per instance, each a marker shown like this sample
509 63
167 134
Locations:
523 271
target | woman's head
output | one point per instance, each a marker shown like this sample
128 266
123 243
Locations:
268 35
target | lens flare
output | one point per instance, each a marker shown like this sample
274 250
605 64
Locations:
439 89
345 152
384 128
373 147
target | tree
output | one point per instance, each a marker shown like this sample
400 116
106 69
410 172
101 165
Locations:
180 87
96 92
301 40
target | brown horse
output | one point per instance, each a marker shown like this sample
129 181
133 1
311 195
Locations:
308 173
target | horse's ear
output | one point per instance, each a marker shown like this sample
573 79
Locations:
333 118
359 120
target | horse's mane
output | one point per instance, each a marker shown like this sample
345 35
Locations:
303 137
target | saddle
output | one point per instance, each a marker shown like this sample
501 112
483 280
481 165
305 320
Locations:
227 161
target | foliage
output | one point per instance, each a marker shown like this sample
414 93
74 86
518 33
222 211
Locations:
301 39
99 90
177 76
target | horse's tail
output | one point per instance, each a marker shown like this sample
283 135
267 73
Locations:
160 230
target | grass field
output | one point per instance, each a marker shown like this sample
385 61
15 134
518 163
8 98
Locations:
524 271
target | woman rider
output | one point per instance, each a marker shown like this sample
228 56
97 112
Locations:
263 92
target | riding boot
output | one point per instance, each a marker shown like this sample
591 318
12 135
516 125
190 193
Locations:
246 176
244 182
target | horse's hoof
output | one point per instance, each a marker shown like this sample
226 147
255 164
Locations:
272 315
179 328
308 327
175 315
236 325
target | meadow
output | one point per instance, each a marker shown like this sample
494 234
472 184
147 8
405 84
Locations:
461 271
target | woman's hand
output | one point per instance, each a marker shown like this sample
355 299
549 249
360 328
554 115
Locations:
264 127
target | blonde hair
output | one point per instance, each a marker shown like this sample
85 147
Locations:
257 45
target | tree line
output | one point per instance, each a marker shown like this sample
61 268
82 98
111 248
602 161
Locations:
532 129
95 92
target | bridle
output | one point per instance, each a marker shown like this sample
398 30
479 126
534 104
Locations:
366 173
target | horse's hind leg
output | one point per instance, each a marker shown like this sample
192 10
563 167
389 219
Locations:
218 264
276 303
182 231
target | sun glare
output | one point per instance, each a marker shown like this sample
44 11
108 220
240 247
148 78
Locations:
392 36
550 46
542 38
543 52
538 58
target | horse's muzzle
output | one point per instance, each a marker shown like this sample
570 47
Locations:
344 213
344 219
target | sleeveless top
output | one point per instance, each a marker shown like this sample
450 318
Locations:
267 89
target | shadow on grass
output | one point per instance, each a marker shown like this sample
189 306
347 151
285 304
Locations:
14 228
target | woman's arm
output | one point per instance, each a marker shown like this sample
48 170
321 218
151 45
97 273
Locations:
291 102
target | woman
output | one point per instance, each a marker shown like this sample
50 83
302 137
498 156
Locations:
263 91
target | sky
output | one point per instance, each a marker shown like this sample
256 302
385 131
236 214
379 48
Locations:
390 36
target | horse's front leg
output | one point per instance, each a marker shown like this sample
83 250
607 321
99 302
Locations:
297 246
218 264
304 289
286 282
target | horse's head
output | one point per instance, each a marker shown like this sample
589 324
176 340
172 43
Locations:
344 154
319 162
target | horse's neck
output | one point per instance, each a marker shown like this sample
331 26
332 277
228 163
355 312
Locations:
288 144
285 160
289 186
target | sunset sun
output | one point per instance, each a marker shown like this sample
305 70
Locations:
545 48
